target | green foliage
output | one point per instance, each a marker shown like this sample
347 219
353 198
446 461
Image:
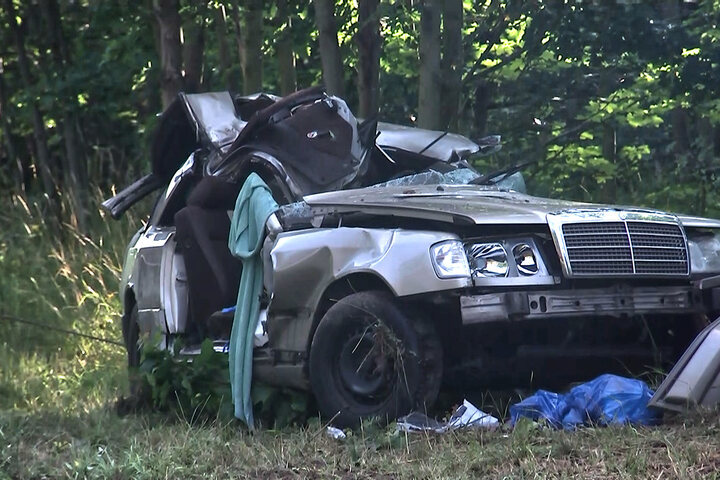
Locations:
196 388
280 407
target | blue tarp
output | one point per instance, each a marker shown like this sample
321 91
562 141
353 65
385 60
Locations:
608 399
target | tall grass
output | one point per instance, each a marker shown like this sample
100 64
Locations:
60 278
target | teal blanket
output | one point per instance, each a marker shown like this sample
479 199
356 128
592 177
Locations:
253 207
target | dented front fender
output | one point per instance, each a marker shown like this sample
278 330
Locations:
305 263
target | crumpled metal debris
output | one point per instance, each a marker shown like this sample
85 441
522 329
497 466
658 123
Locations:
466 415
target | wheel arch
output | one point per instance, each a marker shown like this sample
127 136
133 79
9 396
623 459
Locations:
342 287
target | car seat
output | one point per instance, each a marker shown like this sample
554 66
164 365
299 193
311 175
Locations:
213 274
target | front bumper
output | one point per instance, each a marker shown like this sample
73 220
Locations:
614 301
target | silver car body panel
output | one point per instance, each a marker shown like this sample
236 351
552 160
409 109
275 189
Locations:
454 203
306 262
153 264
482 205
698 222
695 378
213 116
417 140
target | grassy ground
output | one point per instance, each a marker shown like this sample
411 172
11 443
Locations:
58 415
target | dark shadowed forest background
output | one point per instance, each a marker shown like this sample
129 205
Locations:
616 100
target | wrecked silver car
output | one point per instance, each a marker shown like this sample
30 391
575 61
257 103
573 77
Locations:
392 267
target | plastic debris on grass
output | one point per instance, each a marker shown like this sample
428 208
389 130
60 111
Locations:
466 415
606 400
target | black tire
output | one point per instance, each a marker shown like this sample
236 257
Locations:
370 358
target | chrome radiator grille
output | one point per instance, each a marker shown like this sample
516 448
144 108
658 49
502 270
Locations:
622 248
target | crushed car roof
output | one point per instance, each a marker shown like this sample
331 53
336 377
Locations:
431 143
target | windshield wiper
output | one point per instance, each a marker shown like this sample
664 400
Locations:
500 175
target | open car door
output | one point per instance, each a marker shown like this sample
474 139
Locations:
695 378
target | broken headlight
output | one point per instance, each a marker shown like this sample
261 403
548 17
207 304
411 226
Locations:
525 259
488 259
449 260
704 249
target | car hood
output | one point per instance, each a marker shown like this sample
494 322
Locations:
463 204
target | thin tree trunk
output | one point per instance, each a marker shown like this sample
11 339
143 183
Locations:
223 49
252 59
239 37
680 131
168 18
609 151
452 62
284 50
480 105
429 89
369 44
42 159
332 66
7 134
193 52
74 165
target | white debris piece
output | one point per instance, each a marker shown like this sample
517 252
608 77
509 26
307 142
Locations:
467 415
335 433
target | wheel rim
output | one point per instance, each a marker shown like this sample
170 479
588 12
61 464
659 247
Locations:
365 368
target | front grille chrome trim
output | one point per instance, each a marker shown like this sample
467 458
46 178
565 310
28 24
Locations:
619 243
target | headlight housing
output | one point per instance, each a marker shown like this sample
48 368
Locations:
704 249
525 259
449 259
489 259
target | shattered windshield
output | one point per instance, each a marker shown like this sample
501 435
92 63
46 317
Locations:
460 176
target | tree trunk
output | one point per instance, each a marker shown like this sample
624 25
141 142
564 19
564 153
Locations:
429 89
609 152
480 108
42 154
284 50
10 148
193 52
332 66
369 44
239 37
452 62
680 131
252 46
223 49
168 18
74 165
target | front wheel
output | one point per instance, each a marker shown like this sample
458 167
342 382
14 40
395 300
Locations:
372 357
